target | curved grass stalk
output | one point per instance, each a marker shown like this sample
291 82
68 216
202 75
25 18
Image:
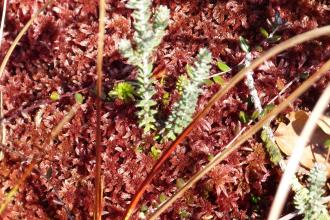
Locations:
11 194
238 77
234 146
100 46
293 163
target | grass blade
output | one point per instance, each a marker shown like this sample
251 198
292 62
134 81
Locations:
2 25
239 76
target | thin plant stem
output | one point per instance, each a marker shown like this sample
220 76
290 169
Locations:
293 163
234 146
283 90
100 46
289 216
218 74
2 25
238 77
2 126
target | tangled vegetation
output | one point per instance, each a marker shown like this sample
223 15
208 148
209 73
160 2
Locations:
118 109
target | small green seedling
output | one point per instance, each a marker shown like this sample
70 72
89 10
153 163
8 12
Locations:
182 82
219 80
255 115
264 33
255 199
166 98
243 117
243 43
55 96
275 25
184 214
162 197
155 152
267 109
123 90
271 38
139 149
79 98
223 66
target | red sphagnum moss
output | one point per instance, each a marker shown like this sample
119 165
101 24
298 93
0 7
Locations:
59 54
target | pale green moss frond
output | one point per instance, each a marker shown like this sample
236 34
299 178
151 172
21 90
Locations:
184 109
149 32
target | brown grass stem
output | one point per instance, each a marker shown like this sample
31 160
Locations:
99 62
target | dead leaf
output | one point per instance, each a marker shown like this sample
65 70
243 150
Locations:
287 135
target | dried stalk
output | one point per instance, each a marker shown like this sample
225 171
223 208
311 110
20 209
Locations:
238 77
2 126
100 45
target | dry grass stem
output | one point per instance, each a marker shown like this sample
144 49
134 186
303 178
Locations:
2 127
100 45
